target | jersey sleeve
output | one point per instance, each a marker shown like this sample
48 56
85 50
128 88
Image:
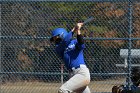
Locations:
80 42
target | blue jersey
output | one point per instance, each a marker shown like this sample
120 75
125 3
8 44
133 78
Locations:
71 51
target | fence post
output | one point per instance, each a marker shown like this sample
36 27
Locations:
0 51
62 71
130 43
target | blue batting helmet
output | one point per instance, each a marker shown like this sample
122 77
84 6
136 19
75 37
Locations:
61 32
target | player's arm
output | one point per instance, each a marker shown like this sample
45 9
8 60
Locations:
80 39
79 35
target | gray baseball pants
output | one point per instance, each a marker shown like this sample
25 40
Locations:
78 83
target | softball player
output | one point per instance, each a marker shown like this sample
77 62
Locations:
71 51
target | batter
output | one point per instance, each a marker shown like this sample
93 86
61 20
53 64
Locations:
71 51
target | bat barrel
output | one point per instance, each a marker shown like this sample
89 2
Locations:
88 20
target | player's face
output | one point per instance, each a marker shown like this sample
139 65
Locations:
56 39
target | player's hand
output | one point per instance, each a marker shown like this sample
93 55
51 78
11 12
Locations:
77 27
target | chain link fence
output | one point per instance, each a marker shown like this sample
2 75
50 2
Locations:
28 63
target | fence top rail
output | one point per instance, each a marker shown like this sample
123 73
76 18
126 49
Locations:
69 0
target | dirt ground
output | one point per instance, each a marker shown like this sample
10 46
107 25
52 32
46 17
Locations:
103 86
